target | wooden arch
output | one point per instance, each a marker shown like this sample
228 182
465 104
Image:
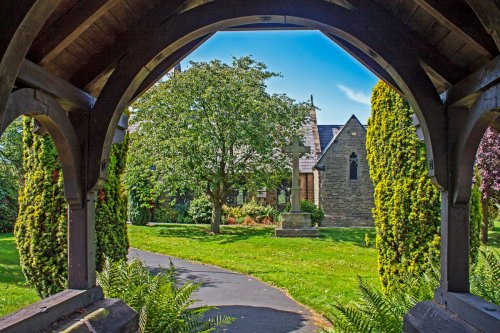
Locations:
29 16
47 111
392 52
484 112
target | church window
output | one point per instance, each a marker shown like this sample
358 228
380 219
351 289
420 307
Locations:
353 167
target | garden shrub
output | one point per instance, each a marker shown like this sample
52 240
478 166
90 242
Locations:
200 210
317 214
41 226
250 213
111 209
137 213
165 214
163 306
406 204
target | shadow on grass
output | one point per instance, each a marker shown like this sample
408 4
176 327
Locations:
231 234
202 233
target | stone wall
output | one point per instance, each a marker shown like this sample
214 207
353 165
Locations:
346 202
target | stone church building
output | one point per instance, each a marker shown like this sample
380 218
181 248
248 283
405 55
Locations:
335 176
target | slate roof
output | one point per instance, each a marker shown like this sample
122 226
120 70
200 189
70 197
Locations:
326 134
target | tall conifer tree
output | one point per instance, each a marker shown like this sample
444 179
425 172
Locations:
41 226
407 205
41 223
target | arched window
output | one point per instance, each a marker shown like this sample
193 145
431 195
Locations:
353 167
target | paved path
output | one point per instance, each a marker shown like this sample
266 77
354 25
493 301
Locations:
257 307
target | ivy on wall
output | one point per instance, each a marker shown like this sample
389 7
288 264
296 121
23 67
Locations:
41 226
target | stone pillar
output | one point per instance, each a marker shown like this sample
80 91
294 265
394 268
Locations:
81 244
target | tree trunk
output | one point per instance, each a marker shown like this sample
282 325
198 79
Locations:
216 216
484 227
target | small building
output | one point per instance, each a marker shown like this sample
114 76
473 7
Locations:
336 176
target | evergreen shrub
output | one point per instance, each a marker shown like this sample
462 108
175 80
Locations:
406 204
317 213
41 226
476 219
200 210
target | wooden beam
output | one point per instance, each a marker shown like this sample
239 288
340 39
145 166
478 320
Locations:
60 34
34 76
404 37
488 12
466 91
104 61
366 60
457 17
167 64
20 23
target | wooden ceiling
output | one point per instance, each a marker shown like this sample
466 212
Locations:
83 40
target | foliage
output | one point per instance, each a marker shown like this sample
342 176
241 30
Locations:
488 163
10 174
379 312
214 128
200 209
111 209
162 306
137 213
312 271
367 240
172 213
407 205
475 220
317 213
41 224
383 313
484 279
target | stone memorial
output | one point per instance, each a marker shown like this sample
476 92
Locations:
296 223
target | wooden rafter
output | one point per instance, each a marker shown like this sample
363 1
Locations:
58 36
488 13
457 17
380 18
101 63
35 76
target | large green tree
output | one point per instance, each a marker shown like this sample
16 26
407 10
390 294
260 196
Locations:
213 128
407 205
41 225
10 174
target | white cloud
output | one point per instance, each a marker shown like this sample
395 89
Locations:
356 96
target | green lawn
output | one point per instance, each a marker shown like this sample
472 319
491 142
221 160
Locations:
14 291
314 272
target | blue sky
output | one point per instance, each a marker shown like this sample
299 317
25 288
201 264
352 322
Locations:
310 63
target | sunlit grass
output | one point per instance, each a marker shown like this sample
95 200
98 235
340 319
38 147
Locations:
15 293
314 272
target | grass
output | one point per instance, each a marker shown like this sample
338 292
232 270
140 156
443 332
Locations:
15 292
313 271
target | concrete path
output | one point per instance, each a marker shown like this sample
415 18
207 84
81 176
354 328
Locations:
257 307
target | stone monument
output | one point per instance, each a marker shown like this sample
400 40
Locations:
296 223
